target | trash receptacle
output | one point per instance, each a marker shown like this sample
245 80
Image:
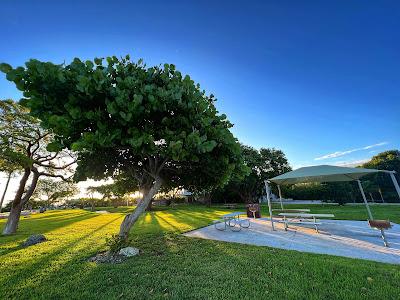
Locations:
253 210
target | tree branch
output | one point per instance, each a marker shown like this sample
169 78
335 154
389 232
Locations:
55 167
47 157
55 176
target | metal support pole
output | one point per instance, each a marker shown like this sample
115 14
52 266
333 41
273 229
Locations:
384 238
372 198
369 213
380 193
396 184
280 196
269 203
365 200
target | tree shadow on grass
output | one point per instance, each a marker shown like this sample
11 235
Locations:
169 224
46 260
58 213
197 220
178 258
41 225
152 245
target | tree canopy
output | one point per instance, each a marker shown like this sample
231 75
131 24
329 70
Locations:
261 164
381 183
50 190
387 160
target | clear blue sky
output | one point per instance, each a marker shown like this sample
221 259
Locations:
309 77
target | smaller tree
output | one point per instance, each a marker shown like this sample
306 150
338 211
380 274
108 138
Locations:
24 143
106 190
262 164
10 169
52 191
381 183
91 190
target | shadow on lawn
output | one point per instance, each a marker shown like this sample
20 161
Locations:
43 225
163 254
169 223
46 260
68 262
199 219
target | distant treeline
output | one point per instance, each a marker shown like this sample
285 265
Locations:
378 187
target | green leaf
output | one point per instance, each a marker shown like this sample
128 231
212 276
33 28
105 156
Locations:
111 108
126 116
208 146
5 68
11 75
98 61
54 146
136 142
138 99
89 64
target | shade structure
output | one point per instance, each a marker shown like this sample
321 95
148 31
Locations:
326 173
323 173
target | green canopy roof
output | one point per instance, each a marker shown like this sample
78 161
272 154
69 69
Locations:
323 173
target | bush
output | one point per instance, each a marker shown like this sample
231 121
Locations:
116 243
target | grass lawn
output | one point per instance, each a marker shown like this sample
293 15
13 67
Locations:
172 266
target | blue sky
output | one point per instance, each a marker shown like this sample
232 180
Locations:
317 79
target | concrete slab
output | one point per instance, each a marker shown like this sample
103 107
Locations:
353 239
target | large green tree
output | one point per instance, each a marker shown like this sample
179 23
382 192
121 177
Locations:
150 124
381 184
262 164
387 160
24 143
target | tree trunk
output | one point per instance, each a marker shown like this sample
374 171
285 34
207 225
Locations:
208 197
130 219
13 219
150 206
5 191
32 188
16 207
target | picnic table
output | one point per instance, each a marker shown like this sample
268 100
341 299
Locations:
232 221
303 218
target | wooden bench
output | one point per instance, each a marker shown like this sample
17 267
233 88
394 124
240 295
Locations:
303 218
230 205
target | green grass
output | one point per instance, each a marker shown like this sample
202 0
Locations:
172 266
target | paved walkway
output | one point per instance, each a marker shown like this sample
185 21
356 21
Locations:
337 237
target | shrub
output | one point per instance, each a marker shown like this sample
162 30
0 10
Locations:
116 243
